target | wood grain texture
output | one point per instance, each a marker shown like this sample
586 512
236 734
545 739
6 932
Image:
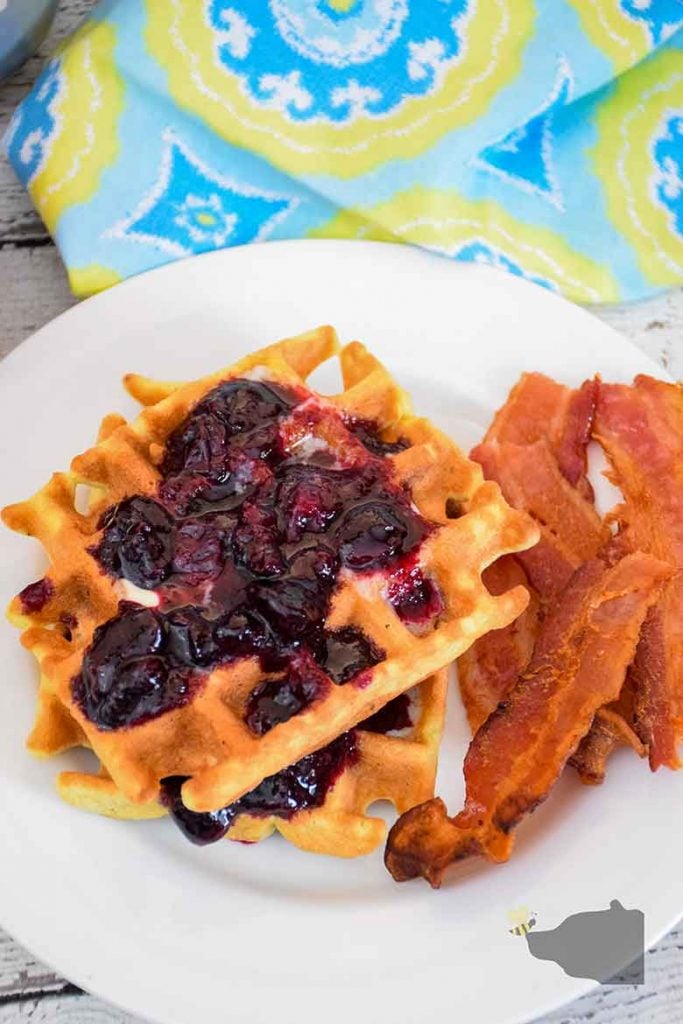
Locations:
655 326
63 1009
19 223
33 290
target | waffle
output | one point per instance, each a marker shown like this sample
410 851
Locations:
399 767
206 739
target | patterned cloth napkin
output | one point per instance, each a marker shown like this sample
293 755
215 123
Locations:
542 136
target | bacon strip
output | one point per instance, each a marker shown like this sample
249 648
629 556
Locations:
491 666
641 431
571 530
536 449
581 656
538 408
608 731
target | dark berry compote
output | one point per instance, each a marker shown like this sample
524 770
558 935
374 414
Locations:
267 494
302 786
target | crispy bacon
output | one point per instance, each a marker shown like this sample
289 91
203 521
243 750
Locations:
572 447
538 408
571 530
579 662
641 431
491 666
609 730
535 448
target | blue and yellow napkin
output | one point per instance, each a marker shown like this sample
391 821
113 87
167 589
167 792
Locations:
541 136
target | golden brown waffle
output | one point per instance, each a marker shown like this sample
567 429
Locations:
399 767
207 739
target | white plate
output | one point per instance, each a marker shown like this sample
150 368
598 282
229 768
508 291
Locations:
179 934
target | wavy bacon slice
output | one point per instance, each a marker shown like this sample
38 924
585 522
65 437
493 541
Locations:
641 431
571 529
554 423
580 659
610 729
538 408
489 669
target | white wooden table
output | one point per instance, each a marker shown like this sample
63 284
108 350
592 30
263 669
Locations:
33 289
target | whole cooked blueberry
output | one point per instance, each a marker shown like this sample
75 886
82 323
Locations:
203 443
255 541
191 493
191 638
347 652
244 405
304 784
200 546
137 543
199 446
313 561
277 700
374 532
414 596
201 829
127 676
182 494
243 633
294 607
308 501
138 692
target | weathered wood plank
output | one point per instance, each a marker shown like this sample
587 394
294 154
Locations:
66 1009
33 290
18 220
658 1001
20 973
656 326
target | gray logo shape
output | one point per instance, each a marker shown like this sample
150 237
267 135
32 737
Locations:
605 945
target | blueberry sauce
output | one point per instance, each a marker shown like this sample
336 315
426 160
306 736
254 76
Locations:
134 669
367 433
266 496
200 829
302 786
413 596
277 700
137 542
393 716
348 652
35 596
